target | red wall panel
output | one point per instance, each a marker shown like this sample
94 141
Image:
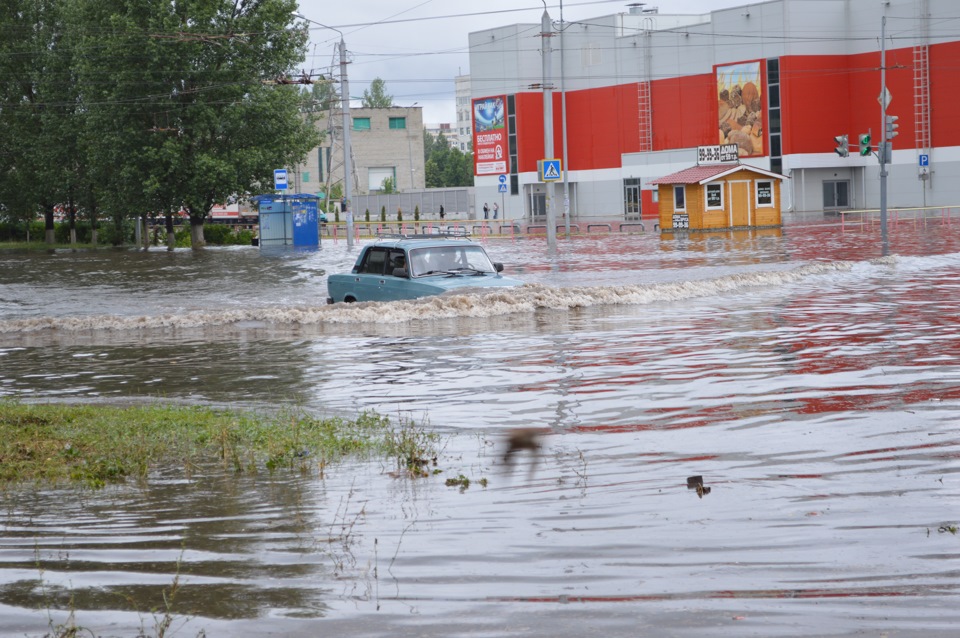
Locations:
814 94
684 112
828 95
821 96
529 130
602 124
944 95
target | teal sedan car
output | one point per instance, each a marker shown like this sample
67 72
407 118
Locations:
413 266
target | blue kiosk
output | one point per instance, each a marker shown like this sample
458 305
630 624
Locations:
288 220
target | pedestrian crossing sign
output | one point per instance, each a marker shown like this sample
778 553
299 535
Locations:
549 170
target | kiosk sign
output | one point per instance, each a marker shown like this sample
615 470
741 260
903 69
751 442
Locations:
490 147
717 154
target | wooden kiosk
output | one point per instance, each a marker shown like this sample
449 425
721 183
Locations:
719 193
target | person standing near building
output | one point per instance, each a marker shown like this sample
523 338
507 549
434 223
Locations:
496 209
486 211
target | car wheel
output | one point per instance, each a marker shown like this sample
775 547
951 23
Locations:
348 300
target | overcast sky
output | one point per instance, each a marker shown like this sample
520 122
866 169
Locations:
418 46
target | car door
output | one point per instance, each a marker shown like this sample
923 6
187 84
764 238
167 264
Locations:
398 287
370 278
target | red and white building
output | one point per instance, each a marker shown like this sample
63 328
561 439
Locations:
637 93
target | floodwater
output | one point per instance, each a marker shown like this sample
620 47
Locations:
812 380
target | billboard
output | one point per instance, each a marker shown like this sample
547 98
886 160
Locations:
740 103
490 151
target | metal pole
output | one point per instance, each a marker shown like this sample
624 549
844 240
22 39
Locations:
347 166
563 124
883 134
547 33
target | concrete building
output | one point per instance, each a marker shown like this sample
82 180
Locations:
781 79
464 113
447 130
386 143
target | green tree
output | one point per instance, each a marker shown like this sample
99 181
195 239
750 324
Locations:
376 97
323 95
446 166
184 104
388 185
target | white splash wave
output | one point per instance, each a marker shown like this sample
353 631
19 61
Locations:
482 303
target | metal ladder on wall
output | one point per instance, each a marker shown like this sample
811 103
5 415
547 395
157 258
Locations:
921 96
921 80
645 116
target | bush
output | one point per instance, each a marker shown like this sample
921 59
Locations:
62 232
416 213
223 235
182 237
399 214
383 213
366 215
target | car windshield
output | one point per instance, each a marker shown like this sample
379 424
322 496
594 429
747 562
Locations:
447 259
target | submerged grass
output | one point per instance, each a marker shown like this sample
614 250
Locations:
95 445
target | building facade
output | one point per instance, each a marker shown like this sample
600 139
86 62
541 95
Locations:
781 79
464 117
445 130
385 143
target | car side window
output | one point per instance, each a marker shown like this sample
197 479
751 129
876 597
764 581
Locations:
398 260
374 262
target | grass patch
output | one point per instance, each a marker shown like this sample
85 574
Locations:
96 445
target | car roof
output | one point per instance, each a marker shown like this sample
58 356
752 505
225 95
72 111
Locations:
407 242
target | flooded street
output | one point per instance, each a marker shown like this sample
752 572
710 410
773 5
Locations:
810 380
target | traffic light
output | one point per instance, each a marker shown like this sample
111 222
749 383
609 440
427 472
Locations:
892 126
843 146
864 144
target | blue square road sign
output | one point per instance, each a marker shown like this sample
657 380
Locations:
280 179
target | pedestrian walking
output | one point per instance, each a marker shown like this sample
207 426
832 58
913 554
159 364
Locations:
496 209
486 211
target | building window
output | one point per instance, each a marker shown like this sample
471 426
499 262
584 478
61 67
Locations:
714 194
361 124
377 175
397 122
680 197
765 194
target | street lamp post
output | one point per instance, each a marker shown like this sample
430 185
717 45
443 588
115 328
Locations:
345 107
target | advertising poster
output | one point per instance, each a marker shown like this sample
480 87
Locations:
490 153
740 103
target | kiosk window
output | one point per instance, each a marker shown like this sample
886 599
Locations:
764 193
714 195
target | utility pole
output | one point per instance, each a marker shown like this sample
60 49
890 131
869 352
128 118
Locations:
546 34
347 165
563 124
882 154
345 107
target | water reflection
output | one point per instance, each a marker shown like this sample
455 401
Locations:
812 386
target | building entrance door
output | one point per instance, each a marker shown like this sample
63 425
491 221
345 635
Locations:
631 198
538 206
836 194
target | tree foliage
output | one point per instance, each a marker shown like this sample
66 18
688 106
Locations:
137 107
376 97
445 166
